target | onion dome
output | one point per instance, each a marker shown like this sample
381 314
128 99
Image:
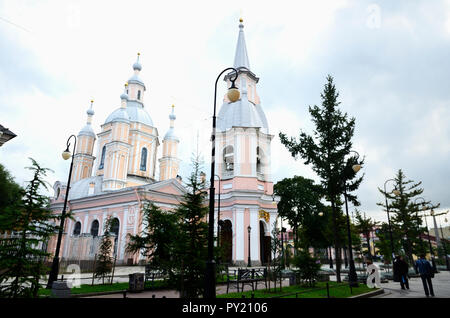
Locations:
170 135
87 129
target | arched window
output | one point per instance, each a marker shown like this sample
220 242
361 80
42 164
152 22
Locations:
139 95
94 228
259 158
77 228
228 158
102 160
144 159
115 225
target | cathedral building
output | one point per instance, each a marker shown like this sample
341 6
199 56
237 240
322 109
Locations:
122 175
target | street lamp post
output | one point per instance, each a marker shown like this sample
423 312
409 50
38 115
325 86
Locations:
444 246
431 249
218 214
283 230
417 215
55 265
233 95
352 277
249 261
396 192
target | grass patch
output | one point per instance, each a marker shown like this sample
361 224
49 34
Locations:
337 290
86 289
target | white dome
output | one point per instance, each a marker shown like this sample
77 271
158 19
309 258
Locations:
135 112
242 113
80 188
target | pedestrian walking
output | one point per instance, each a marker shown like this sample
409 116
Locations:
401 272
426 273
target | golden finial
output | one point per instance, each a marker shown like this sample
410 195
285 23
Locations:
173 106
241 20
139 53
126 84
92 101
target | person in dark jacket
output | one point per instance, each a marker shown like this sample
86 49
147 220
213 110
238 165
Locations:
426 273
401 272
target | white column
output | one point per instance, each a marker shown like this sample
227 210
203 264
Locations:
123 233
239 230
254 235
86 218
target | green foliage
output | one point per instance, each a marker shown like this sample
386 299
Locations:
156 241
176 241
29 224
365 225
405 215
191 249
299 205
104 263
10 195
326 150
308 267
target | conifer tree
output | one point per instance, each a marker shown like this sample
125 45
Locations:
156 240
405 217
104 263
365 225
191 249
29 224
326 150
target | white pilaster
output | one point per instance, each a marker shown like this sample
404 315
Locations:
239 230
254 236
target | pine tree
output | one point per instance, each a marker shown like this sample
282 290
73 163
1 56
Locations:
156 241
30 224
365 225
104 263
404 211
191 249
326 151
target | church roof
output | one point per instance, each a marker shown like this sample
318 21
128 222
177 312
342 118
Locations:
135 112
242 113
241 56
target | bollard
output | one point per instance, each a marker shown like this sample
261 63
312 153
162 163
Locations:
125 294
153 296
328 291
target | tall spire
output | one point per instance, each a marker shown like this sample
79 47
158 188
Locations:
90 113
241 56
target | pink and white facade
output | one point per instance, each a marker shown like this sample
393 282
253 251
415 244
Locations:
243 165
122 176
120 179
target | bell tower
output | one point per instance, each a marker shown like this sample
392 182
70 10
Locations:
83 160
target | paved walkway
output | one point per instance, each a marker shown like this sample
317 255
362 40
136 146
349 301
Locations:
441 287
221 289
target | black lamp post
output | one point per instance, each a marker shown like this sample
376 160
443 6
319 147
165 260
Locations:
352 277
331 258
417 215
283 230
444 243
431 249
396 192
218 214
233 95
55 265
249 261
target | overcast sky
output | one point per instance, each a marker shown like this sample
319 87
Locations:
390 61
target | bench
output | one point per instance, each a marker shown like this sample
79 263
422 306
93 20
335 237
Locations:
151 273
245 276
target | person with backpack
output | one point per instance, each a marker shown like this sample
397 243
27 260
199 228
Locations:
426 273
